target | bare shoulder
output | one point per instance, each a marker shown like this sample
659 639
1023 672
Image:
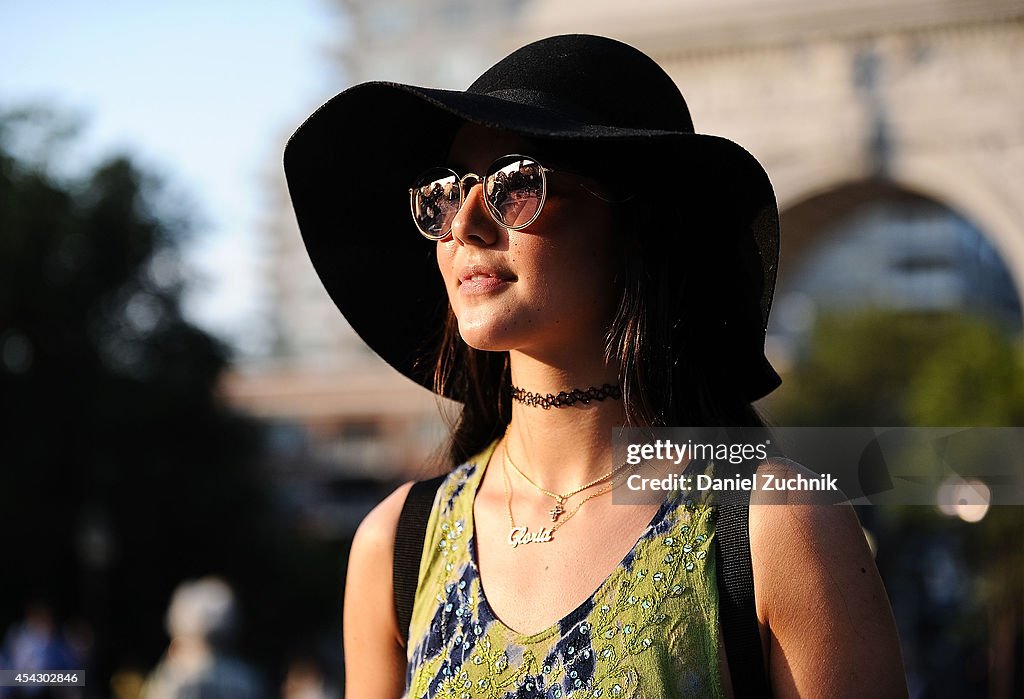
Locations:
372 554
795 539
378 528
820 595
794 527
374 655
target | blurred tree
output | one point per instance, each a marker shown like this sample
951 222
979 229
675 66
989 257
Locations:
120 473
880 367
973 376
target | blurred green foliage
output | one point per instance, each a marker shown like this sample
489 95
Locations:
120 473
878 367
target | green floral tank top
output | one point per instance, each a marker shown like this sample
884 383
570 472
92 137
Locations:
650 630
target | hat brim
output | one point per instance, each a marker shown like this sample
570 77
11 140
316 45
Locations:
349 165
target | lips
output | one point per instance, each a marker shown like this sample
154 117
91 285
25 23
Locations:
482 279
483 273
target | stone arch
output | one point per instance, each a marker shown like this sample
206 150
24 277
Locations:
940 180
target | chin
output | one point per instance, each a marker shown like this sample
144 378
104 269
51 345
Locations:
485 342
486 336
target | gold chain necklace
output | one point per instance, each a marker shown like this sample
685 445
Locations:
521 534
560 498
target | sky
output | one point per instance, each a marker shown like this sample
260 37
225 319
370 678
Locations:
204 94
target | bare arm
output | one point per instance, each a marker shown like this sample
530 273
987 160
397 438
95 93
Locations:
374 648
831 627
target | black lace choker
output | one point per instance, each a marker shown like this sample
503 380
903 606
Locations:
565 398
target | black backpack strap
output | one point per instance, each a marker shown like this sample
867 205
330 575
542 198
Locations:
412 526
736 610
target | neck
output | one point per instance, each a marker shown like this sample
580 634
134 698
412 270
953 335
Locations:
562 448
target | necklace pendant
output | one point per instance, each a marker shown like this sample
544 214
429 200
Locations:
556 511
521 535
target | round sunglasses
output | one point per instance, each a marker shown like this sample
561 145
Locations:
514 190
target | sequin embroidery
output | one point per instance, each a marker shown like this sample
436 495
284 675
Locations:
650 630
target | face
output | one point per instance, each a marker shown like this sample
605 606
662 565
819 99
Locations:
546 289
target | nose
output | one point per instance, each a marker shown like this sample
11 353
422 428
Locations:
473 224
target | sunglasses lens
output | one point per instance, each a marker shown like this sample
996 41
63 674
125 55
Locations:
435 200
514 190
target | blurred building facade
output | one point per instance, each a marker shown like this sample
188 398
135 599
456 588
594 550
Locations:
906 116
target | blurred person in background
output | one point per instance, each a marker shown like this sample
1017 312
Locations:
202 620
36 644
600 265
305 680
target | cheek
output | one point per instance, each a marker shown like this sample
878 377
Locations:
580 256
446 260
571 279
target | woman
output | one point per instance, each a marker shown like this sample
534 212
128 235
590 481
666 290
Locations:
600 265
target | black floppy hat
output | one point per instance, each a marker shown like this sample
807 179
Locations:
350 164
